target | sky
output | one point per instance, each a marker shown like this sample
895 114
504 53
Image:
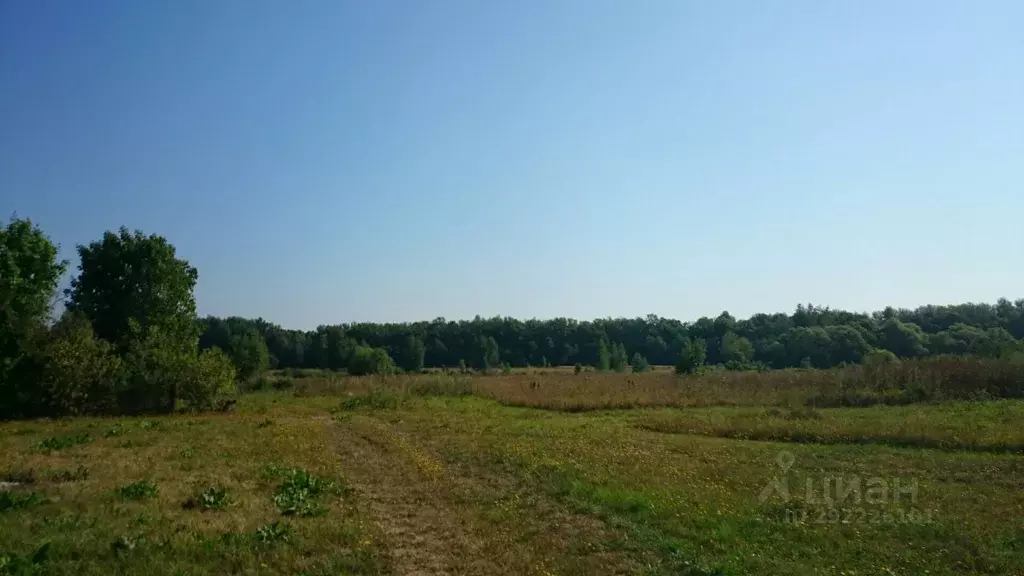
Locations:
329 161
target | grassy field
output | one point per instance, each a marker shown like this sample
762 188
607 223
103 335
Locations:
437 474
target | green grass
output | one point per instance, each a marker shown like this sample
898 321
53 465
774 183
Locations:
57 443
979 426
419 476
139 490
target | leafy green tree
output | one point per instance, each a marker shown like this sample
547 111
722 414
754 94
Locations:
316 354
338 348
618 359
29 273
812 343
81 374
155 364
130 284
905 340
692 356
490 356
137 295
639 363
367 360
208 382
848 344
413 354
996 343
249 353
604 357
736 348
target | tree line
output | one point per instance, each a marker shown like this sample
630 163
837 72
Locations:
129 340
811 336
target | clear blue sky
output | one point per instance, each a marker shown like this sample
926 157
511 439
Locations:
328 161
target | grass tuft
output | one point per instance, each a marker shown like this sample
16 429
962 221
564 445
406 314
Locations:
57 443
273 533
298 495
140 490
212 498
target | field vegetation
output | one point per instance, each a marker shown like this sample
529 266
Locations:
136 438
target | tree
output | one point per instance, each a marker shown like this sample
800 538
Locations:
366 360
249 354
338 348
29 272
489 355
639 363
208 382
604 358
618 359
137 295
847 344
80 373
736 349
130 284
811 343
692 356
413 354
905 340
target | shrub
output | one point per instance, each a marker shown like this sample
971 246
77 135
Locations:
81 373
639 363
273 532
208 382
692 356
880 357
18 500
56 443
577 368
299 492
366 360
212 498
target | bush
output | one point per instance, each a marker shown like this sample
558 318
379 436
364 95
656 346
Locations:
577 368
299 492
273 532
366 360
639 363
880 357
692 356
208 382
81 374
213 498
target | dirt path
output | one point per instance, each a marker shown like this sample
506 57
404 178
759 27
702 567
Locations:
439 520
404 491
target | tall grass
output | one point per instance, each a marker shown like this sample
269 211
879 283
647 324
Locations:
913 381
927 380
